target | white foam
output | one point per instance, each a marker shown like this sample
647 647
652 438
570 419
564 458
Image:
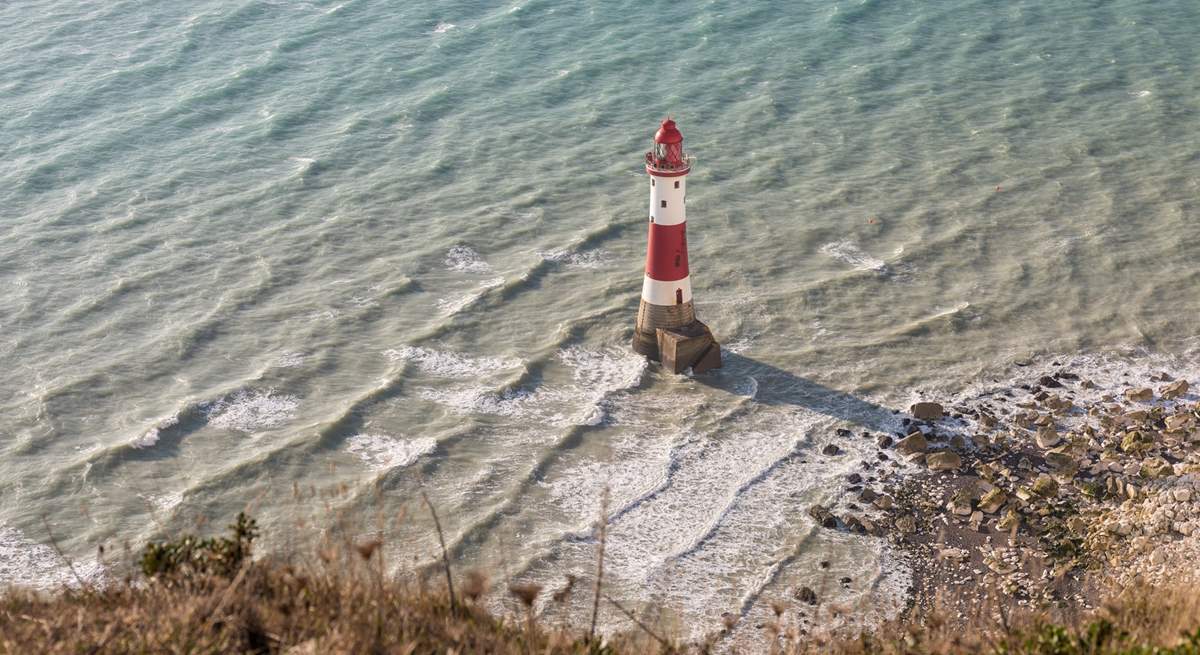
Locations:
849 253
151 436
290 359
465 260
381 452
25 563
443 27
452 306
250 410
448 364
596 374
1141 94
165 502
588 259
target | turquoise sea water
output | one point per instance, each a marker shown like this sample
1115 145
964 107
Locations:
253 249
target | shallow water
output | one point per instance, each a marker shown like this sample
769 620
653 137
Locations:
252 248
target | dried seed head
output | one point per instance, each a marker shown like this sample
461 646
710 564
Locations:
526 592
475 584
562 594
367 548
778 607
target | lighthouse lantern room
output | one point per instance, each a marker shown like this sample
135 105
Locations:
667 329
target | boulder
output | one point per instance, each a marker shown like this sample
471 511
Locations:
854 478
831 450
1157 468
912 444
1009 521
1062 462
1139 395
943 461
960 504
1047 437
885 441
806 595
823 516
1174 390
906 524
927 411
1049 382
1045 486
993 500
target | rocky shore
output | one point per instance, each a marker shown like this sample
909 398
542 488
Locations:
1050 489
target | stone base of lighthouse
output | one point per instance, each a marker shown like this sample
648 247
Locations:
672 335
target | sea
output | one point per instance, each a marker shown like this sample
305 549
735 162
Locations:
312 260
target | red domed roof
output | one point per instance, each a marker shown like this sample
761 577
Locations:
668 133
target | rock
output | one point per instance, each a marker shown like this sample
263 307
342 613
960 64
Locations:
845 580
1139 395
831 450
906 524
854 478
1179 421
1182 495
927 411
806 595
1174 390
1062 462
823 516
952 554
868 495
993 500
885 441
884 502
1045 486
853 524
960 504
912 444
1009 521
1077 526
1049 382
1133 441
976 520
1047 437
1157 468
943 461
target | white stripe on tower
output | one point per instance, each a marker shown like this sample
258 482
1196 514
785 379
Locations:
658 292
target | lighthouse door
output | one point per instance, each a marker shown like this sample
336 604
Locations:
679 296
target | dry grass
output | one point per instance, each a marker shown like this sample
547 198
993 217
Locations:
344 602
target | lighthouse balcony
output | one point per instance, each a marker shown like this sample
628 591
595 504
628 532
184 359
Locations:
656 163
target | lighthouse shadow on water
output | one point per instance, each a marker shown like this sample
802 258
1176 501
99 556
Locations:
775 386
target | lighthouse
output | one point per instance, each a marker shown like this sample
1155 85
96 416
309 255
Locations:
667 329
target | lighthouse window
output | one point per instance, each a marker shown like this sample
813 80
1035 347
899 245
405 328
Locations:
651 181
676 184
664 203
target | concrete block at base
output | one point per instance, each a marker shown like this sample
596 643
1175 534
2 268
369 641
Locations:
709 360
685 347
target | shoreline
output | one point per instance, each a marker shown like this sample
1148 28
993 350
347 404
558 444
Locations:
1045 486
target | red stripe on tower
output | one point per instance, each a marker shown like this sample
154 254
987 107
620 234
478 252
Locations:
666 252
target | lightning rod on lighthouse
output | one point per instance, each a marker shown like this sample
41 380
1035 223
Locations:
667 329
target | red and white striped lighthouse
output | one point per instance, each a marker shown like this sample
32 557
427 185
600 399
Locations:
667 328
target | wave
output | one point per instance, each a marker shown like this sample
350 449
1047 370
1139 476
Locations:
849 253
465 259
26 563
383 453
